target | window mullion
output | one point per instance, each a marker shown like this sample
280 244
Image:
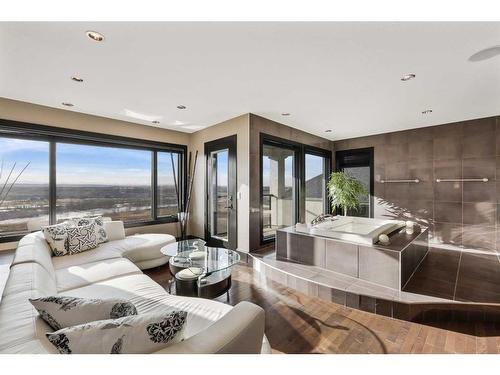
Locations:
52 182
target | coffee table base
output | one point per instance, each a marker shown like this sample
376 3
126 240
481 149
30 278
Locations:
212 286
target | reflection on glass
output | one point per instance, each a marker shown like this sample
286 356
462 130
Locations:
363 175
96 180
277 189
315 186
218 194
24 185
168 178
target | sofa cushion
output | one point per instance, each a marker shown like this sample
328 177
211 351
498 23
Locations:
34 248
108 250
65 311
141 247
115 230
25 277
19 321
139 334
87 273
148 296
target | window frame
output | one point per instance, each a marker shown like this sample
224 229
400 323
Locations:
55 135
300 151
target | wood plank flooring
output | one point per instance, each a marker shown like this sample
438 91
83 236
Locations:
297 323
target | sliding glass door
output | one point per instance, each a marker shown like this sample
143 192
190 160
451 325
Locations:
278 189
293 184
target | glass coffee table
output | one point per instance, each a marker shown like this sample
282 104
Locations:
200 270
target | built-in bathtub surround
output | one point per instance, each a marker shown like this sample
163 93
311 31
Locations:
458 214
387 265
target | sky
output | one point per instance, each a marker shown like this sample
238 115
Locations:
93 165
79 164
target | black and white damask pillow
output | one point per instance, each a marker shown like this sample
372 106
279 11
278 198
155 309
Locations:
137 334
101 233
60 311
57 238
82 238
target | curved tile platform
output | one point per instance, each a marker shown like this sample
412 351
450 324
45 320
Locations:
363 295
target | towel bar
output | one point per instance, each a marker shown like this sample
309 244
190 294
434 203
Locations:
485 179
415 181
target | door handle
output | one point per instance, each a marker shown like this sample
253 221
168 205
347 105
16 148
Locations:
230 204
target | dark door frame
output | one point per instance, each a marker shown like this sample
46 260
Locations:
229 143
300 150
365 159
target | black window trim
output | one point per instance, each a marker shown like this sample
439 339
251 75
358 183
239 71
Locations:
300 151
54 135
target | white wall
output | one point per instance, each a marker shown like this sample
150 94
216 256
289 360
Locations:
239 126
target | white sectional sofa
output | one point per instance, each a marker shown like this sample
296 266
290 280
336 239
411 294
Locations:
114 270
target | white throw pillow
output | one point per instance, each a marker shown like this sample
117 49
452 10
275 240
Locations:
57 238
81 238
60 311
137 334
101 234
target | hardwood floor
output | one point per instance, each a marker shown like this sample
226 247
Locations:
297 323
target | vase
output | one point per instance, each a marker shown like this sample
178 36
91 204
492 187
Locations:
183 218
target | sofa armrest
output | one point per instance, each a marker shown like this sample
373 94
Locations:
240 331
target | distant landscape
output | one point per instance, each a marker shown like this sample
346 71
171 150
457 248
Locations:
28 204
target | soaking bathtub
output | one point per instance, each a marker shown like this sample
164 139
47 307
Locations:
360 230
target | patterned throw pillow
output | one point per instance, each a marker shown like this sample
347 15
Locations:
60 312
101 234
81 238
57 238
138 334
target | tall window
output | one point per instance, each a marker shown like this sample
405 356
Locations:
113 182
168 183
49 174
359 164
315 187
24 185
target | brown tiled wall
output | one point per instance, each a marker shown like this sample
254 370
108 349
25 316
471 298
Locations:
458 214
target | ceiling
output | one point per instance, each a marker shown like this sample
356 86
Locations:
343 77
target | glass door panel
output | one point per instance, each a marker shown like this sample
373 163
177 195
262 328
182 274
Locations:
218 202
278 189
315 187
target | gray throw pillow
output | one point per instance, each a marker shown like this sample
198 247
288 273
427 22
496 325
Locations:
61 311
138 334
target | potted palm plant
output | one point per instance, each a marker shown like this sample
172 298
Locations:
345 191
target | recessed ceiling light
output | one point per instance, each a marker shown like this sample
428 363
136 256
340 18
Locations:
285 114
427 111
328 131
485 54
407 77
67 104
94 35
77 79
181 107
156 122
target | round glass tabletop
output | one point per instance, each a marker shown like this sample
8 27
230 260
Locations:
193 254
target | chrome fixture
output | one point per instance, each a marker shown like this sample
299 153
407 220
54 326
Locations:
484 179
67 104
77 79
181 107
415 181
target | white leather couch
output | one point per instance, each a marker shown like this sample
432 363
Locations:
114 270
